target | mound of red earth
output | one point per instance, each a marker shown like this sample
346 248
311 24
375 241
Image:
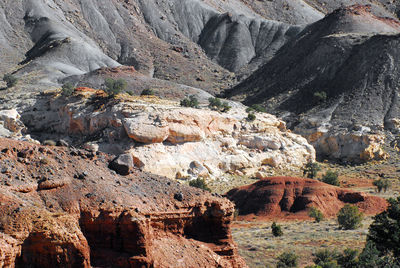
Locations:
62 207
277 197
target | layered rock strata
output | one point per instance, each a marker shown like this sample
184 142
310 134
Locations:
86 215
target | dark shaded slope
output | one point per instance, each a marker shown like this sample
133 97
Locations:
324 58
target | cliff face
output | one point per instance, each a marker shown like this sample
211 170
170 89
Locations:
64 208
284 196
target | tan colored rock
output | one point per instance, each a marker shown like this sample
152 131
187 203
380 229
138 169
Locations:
141 130
179 133
173 137
10 119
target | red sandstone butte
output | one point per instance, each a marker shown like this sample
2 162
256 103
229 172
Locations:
286 196
62 207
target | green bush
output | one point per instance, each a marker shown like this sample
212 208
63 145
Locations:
326 258
114 87
256 108
316 214
320 96
348 258
217 105
382 184
67 89
384 231
190 102
199 183
251 117
276 229
311 169
331 178
287 260
349 217
10 80
147 92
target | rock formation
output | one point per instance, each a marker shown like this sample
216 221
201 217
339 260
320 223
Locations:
63 207
336 80
166 139
282 196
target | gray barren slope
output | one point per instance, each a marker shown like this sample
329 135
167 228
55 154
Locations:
56 39
351 55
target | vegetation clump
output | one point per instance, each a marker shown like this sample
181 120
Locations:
67 89
199 183
316 214
190 102
287 260
217 105
251 117
349 217
114 87
311 169
320 96
256 108
382 184
276 229
10 80
148 92
331 178
384 232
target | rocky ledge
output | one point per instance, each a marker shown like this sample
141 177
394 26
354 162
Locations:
287 197
63 207
160 137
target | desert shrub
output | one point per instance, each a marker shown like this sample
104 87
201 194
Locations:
147 92
349 217
348 258
316 214
276 229
287 259
256 108
190 102
370 257
217 105
311 169
67 89
384 232
114 87
382 184
326 258
331 178
251 117
199 183
320 96
10 80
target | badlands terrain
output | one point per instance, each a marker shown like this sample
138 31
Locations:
91 177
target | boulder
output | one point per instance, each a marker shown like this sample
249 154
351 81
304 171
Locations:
122 164
144 131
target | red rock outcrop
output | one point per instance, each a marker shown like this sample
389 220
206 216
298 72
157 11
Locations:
63 207
287 196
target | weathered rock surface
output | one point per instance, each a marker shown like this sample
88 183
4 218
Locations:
166 139
350 56
282 196
97 218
